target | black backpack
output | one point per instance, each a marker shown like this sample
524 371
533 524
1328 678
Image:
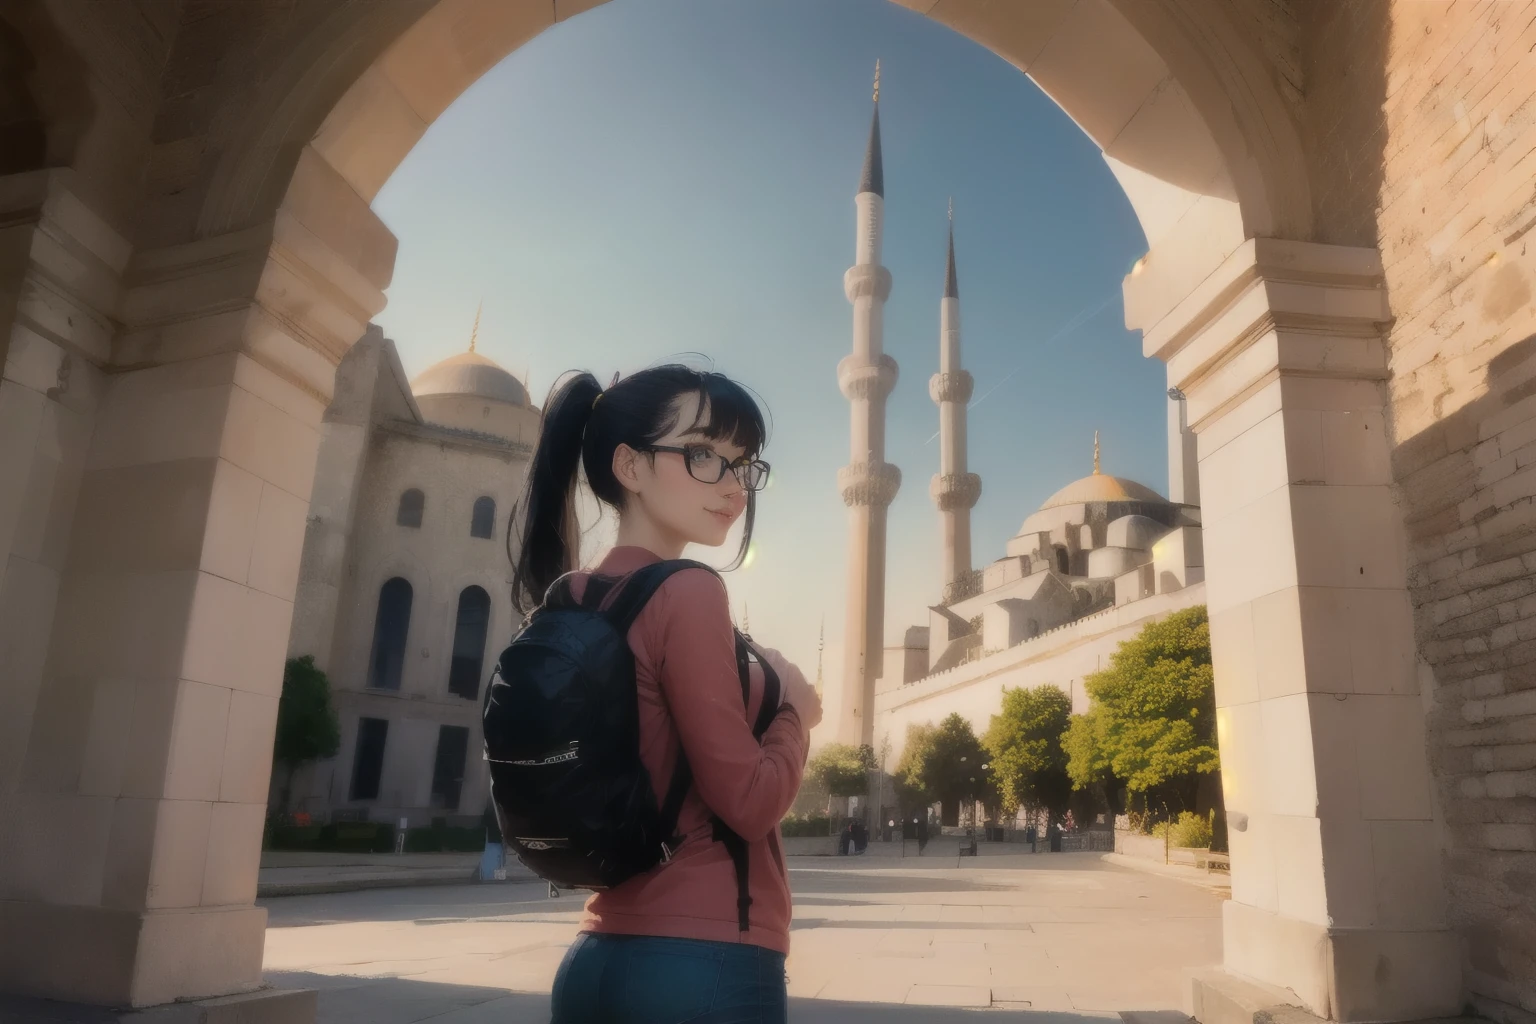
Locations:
562 736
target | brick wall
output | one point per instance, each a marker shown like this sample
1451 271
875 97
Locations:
1456 225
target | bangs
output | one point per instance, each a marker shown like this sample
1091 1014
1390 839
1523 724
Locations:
729 413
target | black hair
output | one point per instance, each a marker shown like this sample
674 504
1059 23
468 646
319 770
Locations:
578 434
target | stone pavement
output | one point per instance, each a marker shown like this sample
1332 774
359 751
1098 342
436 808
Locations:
1063 935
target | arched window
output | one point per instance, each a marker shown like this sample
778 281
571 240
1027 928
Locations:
1062 565
482 523
469 631
389 629
411 504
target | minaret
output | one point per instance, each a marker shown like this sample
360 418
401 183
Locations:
821 642
954 489
868 483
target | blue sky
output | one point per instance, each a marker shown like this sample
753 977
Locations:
661 177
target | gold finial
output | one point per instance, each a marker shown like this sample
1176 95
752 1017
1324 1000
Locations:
877 79
474 332
1095 453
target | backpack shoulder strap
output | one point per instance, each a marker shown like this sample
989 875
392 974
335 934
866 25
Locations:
640 586
771 692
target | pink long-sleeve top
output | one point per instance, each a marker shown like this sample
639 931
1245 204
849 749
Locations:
690 699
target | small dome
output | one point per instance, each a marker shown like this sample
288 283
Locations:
470 373
1102 487
1137 532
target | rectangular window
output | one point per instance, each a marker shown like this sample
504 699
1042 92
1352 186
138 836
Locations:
448 771
368 761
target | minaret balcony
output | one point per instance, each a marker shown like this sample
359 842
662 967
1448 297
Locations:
865 279
860 378
952 491
951 387
872 484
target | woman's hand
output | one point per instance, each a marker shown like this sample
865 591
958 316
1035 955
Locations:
794 690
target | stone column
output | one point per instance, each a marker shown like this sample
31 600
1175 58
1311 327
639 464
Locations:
137 787
1336 889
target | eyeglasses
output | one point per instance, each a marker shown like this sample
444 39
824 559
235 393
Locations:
707 467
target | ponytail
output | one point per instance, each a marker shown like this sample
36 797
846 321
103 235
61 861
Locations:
550 535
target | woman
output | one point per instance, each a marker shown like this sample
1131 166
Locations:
674 451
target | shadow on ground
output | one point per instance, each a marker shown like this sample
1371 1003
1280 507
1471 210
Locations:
403 1001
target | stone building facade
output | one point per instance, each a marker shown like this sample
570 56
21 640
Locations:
1338 204
404 583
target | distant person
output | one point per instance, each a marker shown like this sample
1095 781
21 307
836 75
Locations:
922 834
860 836
675 452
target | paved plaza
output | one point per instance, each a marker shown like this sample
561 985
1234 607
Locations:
875 939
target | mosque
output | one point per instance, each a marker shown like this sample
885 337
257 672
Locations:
1101 558
404 595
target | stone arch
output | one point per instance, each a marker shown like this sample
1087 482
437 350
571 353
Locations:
237 224
1181 97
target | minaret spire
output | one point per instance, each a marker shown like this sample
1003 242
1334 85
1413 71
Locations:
868 483
873 178
951 287
954 489
821 642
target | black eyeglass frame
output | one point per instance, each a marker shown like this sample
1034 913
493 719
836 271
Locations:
725 467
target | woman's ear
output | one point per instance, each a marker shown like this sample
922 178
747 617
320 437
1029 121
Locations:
626 468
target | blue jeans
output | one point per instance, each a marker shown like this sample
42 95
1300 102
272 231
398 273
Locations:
642 979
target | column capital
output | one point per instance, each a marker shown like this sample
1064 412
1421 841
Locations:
66 279
955 490
1274 307
864 279
872 484
957 386
861 378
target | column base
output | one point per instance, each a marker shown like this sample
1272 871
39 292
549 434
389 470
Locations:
126 958
1356 975
267 1006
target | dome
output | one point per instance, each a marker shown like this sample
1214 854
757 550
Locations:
1102 487
1137 532
470 373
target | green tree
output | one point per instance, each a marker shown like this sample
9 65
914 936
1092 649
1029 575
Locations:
1025 741
307 728
955 768
912 789
843 768
1086 748
1153 721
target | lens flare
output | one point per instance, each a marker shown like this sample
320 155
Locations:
746 563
